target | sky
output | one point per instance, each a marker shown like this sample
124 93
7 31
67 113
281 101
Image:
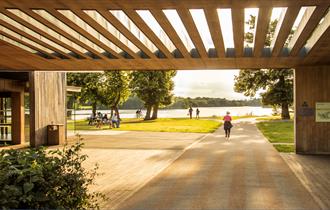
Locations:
206 83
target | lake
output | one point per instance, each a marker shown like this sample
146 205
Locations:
181 113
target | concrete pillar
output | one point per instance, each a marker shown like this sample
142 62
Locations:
312 87
17 117
47 104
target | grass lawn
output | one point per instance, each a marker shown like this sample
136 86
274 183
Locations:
277 131
286 148
160 125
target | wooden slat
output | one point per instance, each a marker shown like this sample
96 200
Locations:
139 22
120 27
285 28
60 31
215 30
261 30
28 36
192 31
320 36
28 45
238 30
81 31
104 32
41 32
169 30
308 23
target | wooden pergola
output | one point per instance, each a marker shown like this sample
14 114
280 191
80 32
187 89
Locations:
48 37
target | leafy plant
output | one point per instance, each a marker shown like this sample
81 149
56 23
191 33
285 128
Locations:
40 178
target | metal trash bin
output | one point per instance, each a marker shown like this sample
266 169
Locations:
55 134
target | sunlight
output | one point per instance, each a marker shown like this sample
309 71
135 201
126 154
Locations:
46 15
32 33
175 20
109 27
200 21
47 30
150 20
130 25
226 24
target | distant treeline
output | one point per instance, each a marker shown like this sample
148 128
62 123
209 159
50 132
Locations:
183 103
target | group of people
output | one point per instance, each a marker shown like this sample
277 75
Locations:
99 119
190 112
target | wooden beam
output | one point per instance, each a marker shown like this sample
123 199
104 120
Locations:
42 33
139 22
120 27
308 23
28 36
192 31
238 30
261 30
165 4
84 33
215 30
28 45
94 24
282 33
60 31
169 30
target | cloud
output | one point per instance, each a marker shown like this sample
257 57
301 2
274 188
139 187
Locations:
206 83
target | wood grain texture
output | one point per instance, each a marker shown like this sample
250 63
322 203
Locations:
47 104
312 84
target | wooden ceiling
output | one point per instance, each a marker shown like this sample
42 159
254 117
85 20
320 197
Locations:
61 35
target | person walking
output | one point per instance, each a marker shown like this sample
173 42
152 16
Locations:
227 124
197 113
190 112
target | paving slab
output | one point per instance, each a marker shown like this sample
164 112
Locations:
128 160
245 172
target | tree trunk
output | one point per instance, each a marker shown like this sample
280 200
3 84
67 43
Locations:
147 117
115 108
285 115
94 109
155 112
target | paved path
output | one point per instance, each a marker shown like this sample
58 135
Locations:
128 160
244 173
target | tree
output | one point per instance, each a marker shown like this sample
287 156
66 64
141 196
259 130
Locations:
113 89
154 88
277 83
106 88
89 86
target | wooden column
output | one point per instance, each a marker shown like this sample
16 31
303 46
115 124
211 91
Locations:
17 117
312 85
47 104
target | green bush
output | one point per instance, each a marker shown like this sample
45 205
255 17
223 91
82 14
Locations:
37 178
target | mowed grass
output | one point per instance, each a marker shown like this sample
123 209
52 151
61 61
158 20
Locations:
159 125
280 133
277 131
286 148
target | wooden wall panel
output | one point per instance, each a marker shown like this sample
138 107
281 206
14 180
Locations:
17 126
312 84
47 104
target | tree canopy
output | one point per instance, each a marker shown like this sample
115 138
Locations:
106 88
154 88
277 84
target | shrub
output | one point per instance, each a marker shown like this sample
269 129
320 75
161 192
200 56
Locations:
37 178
